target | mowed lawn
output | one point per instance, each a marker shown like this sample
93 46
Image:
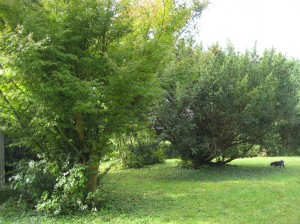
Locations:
248 191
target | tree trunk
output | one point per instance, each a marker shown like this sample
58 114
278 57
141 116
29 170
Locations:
92 177
93 170
79 128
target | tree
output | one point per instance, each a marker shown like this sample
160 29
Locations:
78 72
220 103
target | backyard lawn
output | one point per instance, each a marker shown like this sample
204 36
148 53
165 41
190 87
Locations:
248 191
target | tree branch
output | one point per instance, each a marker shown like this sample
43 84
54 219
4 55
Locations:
70 143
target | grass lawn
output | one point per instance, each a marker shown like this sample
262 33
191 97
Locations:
249 191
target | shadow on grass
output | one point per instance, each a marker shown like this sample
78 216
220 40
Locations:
220 174
203 174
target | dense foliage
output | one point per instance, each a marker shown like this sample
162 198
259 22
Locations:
76 73
221 103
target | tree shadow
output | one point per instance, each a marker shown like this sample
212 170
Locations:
219 174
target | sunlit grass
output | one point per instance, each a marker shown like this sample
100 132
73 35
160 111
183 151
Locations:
248 191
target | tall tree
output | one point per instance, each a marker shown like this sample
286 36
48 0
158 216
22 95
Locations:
76 72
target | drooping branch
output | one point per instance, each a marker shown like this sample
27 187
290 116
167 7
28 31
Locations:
238 156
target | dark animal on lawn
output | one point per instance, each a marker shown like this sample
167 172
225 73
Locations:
278 163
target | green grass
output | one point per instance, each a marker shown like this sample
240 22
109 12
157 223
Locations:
249 191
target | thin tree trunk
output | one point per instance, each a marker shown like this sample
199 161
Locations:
92 175
93 170
79 128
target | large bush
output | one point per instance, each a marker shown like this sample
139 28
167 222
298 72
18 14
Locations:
221 103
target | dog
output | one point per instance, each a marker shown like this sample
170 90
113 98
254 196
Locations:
278 163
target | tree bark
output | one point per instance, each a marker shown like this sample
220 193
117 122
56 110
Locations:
92 178
93 169
79 128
